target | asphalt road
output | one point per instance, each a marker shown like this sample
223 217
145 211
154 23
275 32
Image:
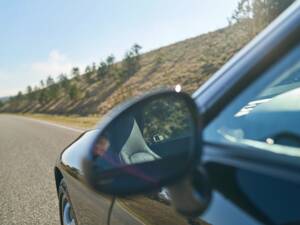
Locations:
28 151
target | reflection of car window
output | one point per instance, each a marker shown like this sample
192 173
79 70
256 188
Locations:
267 114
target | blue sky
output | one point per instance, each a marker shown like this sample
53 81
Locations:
40 38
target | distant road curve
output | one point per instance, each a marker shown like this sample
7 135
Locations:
28 151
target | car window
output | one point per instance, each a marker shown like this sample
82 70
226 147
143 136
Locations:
266 115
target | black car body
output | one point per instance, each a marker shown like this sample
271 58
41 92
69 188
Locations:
249 185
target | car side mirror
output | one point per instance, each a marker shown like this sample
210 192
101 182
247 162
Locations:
144 145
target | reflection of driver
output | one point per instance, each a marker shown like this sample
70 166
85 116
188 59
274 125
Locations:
101 146
104 158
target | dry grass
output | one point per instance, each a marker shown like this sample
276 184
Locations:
75 121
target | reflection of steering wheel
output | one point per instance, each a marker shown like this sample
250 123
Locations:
135 149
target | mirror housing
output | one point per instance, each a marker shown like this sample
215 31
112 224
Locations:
144 144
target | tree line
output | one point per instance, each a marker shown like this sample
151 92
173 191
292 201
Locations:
50 89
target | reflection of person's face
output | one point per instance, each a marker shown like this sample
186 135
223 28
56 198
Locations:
101 147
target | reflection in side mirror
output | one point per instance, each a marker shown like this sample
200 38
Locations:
147 144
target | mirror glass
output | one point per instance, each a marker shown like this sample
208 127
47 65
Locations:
151 131
150 140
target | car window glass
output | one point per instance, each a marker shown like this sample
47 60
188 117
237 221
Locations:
266 115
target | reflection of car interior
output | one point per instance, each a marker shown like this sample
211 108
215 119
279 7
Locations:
135 149
128 142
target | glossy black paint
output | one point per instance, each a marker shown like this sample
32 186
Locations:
235 175
88 206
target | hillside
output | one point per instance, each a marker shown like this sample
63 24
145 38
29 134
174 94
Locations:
189 63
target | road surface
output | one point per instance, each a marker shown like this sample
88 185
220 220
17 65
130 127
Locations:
28 151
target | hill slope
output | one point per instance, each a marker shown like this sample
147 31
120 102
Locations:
189 63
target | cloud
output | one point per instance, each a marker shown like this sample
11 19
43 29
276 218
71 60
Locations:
12 81
56 64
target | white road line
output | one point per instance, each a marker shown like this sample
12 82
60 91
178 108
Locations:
53 124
